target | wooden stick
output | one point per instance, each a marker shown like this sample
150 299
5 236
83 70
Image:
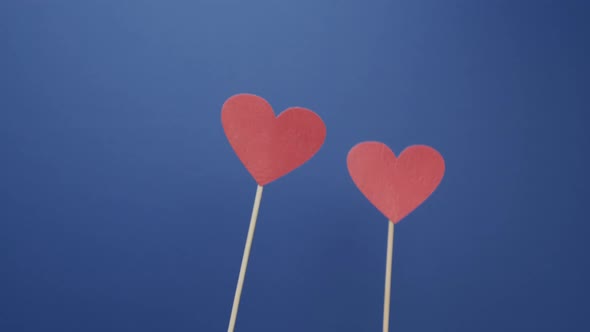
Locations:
388 264
234 310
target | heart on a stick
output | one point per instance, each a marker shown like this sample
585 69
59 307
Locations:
270 146
396 186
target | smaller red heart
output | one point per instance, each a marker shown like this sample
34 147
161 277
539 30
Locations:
269 146
395 186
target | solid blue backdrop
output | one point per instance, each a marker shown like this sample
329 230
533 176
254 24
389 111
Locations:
123 207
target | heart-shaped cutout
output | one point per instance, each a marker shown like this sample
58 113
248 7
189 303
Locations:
269 146
395 186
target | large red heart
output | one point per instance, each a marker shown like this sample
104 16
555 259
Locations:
395 186
269 146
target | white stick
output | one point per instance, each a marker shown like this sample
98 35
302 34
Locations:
388 262
234 310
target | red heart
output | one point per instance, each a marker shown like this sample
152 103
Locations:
395 186
269 146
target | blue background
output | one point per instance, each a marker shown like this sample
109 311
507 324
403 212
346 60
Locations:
123 207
